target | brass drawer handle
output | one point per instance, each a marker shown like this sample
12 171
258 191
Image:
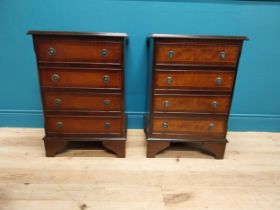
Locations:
211 126
106 102
166 104
171 54
168 80
104 53
222 55
57 102
106 79
55 77
214 104
219 80
165 125
51 51
107 125
59 125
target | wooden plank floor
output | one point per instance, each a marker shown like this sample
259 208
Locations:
248 178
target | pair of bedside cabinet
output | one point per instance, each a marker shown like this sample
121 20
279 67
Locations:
82 80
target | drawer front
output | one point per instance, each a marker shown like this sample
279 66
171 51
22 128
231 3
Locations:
195 80
81 101
188 126
197 54
83 125
75 50
191 103
81 78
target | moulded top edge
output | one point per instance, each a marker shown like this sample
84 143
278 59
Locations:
72 33
178 36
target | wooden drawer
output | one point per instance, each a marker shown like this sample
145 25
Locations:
81 78
81 101
195 80
192 103
88 125
197 126
65 49
197 54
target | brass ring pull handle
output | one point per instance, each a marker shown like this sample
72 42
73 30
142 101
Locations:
166 104
222 55
168 80
214 104
107 125
51 51
57 102
104 53
59 125
211 126
106 102
55 77
171 54
165 125
106 79
219 80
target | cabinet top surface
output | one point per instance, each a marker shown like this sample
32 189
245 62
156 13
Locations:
69 33
188 36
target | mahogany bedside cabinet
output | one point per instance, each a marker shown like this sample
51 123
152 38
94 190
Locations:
82 87
191 86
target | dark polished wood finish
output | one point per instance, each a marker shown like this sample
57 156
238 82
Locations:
82 88
86 101
196 54
192 81
217 149
191 103
73 49
74 33
118 147
52 147
188 126
83 125
154 147
81 78
200 37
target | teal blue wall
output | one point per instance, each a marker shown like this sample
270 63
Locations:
256 104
